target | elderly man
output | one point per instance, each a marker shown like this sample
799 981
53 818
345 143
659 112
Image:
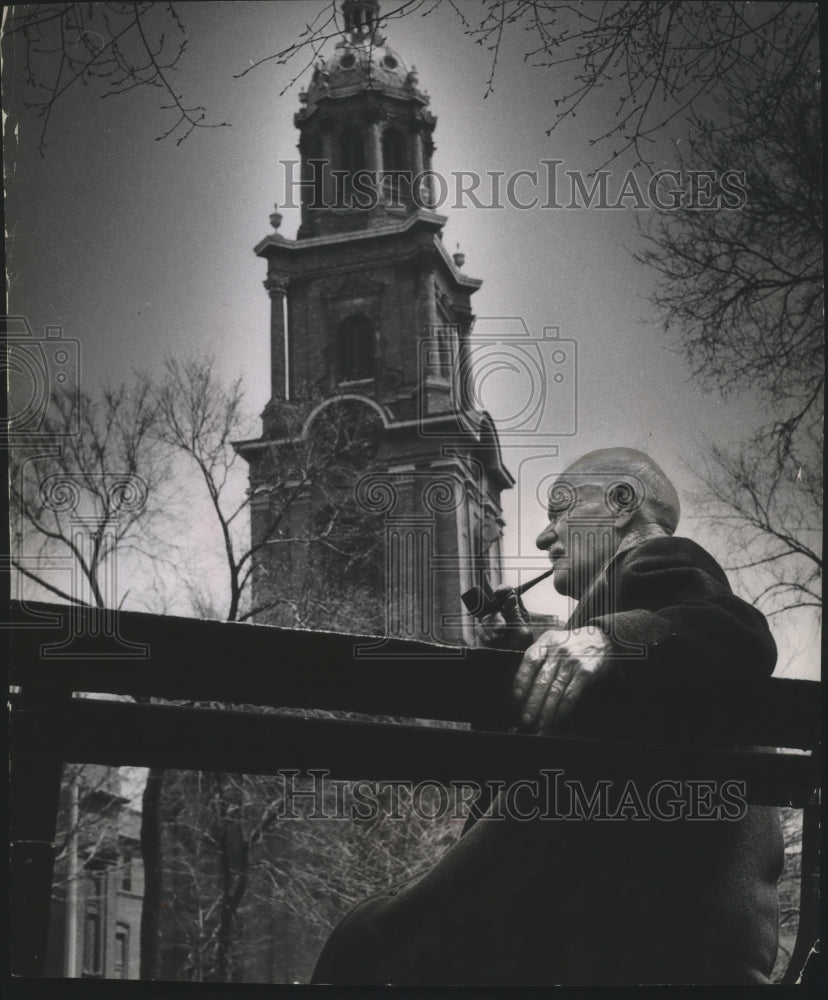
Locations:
604 897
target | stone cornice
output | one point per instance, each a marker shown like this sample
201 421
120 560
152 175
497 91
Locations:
275 245
403 94
392 227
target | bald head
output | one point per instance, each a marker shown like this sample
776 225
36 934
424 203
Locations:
641 484
616 488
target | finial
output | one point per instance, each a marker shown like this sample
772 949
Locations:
276 217
459 257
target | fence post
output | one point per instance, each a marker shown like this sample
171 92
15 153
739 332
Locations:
35 793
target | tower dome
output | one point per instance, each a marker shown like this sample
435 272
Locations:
361 61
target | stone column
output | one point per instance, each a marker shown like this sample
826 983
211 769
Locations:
416 143
375 154
427 151
276 286
328 190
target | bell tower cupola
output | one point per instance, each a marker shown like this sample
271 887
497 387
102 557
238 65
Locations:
365 132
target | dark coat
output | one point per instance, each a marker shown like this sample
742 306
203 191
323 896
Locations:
590 901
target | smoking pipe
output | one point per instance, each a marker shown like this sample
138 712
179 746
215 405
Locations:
482 601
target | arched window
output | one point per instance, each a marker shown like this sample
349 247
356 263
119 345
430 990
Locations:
394 160
355 350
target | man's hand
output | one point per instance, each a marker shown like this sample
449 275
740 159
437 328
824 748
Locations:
554 672
507 628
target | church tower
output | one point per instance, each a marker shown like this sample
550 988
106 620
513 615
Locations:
370 324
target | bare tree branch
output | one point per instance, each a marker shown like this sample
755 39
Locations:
93 496
118 46
741 285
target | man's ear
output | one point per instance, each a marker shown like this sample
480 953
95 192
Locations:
624 503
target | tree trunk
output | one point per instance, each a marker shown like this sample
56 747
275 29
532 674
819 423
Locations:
234 860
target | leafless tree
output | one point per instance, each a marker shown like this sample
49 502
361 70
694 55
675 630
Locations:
770 512
88 494
201 417
742 287
239 845
744 283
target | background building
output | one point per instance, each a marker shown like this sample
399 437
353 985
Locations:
99 879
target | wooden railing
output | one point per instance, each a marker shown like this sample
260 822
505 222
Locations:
58 651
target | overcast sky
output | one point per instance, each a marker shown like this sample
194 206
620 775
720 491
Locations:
138 247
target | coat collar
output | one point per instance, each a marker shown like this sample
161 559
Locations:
598 597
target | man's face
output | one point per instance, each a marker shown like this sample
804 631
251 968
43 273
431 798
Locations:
581 536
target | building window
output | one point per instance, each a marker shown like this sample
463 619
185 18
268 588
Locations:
120 965
93 922
355 350
126 871
92 950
